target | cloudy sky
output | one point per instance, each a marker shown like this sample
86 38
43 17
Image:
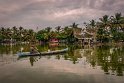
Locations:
43 13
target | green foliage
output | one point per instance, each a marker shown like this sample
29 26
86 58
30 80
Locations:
16 34
42 35
107 28
110 28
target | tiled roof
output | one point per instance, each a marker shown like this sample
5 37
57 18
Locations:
83 33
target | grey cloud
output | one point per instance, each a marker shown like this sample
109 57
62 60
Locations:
44 13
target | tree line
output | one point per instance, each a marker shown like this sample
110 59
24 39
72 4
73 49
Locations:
107 28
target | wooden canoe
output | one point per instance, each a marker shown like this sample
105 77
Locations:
21 54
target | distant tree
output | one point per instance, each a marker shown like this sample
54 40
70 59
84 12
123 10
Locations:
74 25
58 28
48 29
92 23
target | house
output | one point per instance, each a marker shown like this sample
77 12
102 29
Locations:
85 36
54 42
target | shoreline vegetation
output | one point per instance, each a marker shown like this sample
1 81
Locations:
107 30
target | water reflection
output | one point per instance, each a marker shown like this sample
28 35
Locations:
32 60
110 59
112 62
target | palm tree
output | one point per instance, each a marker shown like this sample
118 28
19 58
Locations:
117 20
48 29
92 23
86 24
103 28
117 17
58 28
8 33
25 35
69 33
47 34
31 35
3 35
53 34
74 25
116 26
65 29
14 29
105 21
20 32
42 35
122 23
15 32
20 28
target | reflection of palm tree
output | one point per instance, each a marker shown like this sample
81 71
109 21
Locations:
93 63
66 57
32 60
110 64
105 68
74 58
72 55
119 71
58 57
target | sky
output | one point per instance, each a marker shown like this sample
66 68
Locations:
45 13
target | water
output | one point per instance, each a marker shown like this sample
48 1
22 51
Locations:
96 64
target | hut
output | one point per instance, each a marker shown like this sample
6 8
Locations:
84 36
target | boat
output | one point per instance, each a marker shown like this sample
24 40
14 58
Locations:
21 54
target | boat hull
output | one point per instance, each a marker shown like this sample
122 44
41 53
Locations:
42 53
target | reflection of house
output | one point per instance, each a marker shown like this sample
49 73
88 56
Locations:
85 35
